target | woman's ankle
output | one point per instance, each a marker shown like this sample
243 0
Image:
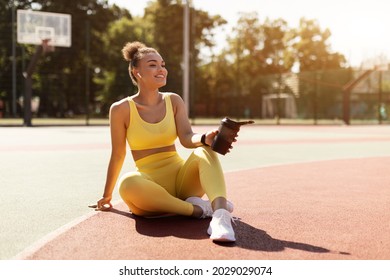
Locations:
219 203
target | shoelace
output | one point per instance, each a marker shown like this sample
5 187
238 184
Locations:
226 219
206 214
234 219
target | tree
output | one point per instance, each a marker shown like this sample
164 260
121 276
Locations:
68 66
315 59
258 54
113 79
256 51
167 19
214 93
277 50
313 50
6 58
60 77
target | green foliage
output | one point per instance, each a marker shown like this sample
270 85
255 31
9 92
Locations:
113 79
257 57
312 49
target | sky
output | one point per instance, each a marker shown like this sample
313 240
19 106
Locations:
360 28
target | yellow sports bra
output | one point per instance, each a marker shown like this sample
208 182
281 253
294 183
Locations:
142 135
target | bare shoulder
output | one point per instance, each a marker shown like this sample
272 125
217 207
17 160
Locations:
175 98
120 105
177 102
120 109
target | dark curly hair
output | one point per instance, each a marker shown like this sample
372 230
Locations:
133 52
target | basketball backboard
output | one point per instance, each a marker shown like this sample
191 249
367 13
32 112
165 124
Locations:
33 27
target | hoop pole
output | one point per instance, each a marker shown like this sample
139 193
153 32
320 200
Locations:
28 80
13 62
347 88
87 70
380 97
28 85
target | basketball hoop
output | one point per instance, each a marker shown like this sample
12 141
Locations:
46 46
46 31
33 27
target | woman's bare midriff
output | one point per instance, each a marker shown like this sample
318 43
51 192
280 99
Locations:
138 154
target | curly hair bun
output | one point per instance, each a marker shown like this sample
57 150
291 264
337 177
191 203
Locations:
130 49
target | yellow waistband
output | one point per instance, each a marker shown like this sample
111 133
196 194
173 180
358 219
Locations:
154 158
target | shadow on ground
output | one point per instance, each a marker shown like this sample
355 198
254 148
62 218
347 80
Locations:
252 238
248 237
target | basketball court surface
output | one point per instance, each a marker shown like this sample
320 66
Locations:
300 193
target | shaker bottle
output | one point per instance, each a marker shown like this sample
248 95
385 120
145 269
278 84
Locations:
228 130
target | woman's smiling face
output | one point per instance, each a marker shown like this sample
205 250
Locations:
151 70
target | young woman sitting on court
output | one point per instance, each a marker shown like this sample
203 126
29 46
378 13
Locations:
164 183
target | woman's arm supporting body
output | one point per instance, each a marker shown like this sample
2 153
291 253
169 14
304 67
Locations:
118 126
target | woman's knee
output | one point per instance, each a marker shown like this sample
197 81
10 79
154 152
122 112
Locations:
130 183
204 150
206 153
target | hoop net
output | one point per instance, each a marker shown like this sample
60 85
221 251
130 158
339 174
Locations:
47 46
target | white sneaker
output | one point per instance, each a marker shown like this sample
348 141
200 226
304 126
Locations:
206 206
220 228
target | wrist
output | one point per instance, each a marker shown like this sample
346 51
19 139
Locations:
203 140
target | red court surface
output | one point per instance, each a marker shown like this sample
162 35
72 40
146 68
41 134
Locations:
319 210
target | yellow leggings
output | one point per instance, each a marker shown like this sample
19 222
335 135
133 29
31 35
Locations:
164 180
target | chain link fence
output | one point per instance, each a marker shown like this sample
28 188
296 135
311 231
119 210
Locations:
338 96
345 95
